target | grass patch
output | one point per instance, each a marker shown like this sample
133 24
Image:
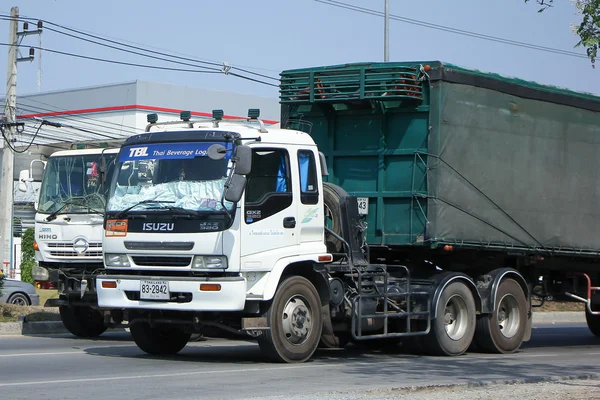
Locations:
11 313
46 294
553 306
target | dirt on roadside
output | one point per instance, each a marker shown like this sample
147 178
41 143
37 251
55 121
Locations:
11 313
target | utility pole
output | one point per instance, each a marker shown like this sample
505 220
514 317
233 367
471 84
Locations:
10 115
386 32
9 126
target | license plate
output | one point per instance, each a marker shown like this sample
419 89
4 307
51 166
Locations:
154 290
363 205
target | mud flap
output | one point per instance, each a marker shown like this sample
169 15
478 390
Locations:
529 326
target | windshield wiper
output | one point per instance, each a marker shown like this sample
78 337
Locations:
53 215
125 211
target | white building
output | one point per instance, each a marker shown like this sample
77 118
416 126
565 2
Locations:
107 113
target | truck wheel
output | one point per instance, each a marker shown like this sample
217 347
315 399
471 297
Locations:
159 340
593 323
332 195
503 330
453 329
82 321
295 320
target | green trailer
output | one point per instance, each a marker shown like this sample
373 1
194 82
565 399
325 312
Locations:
446 155
467 172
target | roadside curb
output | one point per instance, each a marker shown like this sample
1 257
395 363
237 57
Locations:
53 327
32 328
560 316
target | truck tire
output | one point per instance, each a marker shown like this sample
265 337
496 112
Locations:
332 195
593 323
503 330
453 329
82 321
158 340
295 322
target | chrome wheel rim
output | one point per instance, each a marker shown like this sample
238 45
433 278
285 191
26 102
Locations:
456 317
296 320
509 316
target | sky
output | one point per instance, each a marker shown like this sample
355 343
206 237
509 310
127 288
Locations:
268 36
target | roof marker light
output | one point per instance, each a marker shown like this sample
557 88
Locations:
253 113
185 115
152 118
217 114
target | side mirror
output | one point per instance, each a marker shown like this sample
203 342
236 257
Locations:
234 190
24 179
37 172
243 166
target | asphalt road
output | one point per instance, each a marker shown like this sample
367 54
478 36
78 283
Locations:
112 367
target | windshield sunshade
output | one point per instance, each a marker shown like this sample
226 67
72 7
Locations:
180 175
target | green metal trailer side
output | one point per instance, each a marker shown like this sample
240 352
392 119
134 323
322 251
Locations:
448 155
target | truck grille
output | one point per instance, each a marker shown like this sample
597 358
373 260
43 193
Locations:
148 261
76 254
65 249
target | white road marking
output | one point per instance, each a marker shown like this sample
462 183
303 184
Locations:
118 378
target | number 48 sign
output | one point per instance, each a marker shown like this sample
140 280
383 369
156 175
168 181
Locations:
363 205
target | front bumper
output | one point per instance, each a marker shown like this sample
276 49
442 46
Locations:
231 297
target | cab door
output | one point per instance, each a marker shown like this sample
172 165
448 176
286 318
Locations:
270 222
310 203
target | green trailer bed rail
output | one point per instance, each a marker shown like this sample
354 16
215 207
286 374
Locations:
380 82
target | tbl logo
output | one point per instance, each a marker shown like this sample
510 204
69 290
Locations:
138 152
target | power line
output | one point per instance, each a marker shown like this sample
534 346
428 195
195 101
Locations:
146 50
154 52
131 52
69 119
10 145
64 53
104 134
457 31
93 121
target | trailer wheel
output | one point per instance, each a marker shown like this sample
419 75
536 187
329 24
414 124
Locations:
503 330
295 320
82 321
453 329
593 322
332 195
159 340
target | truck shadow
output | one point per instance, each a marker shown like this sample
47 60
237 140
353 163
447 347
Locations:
237 351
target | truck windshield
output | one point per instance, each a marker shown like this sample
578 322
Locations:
167 176
73 184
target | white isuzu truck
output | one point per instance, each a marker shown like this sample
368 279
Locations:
68 234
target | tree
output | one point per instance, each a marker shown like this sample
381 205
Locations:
27 255
589 28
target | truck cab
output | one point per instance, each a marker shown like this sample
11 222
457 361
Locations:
203 217
68 233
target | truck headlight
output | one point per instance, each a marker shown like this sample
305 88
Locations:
209 262
116 260
40 273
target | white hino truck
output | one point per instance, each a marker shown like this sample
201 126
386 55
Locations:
68 234
226 227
